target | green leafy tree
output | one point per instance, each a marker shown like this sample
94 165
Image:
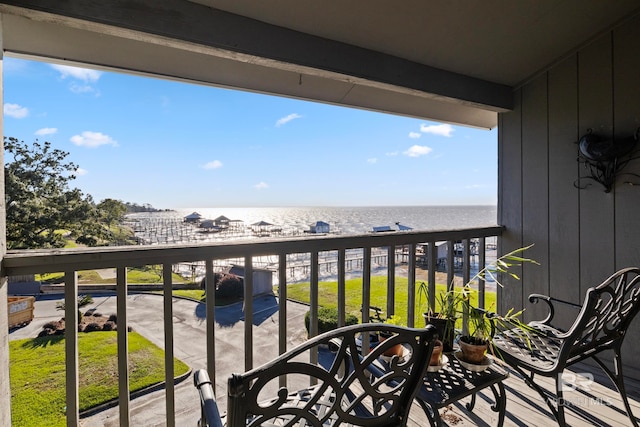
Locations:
40 205
112 211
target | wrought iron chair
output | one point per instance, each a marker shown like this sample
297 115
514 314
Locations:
601 324
342 390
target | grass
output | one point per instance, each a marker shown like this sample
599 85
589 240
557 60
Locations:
37 374
328 291
146 274
194 294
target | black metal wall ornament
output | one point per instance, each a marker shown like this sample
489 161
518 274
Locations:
605 159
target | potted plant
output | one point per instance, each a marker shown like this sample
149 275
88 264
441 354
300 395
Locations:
396 350
479 324
444 319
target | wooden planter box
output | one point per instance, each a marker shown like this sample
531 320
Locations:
20 311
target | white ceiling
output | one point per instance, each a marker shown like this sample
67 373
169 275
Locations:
445 60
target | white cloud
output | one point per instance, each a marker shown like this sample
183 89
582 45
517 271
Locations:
287 119
82 88
215 164
261 186
16 111
77 73
46 131
417 151
93 139
391 153
442 130
80 172
414 135
372 160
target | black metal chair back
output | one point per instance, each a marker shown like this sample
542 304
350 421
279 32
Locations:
339 389
600 325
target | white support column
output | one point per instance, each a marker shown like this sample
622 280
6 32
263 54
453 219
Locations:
5 390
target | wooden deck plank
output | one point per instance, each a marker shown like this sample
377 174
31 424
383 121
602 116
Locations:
600 405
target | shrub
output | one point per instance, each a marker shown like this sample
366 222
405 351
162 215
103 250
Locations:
328 319
109 326
230 286
91 327
216 278
113 318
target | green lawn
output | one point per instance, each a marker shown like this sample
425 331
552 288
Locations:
194 294
147 274
37 374
328 292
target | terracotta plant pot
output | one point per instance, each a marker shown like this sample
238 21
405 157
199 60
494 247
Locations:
473 353
396 350
445 328
436 356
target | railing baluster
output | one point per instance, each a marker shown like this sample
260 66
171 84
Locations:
248 313
342 293
482 257
433 260
411 286
71 346
313 315
123 346
450 261
168 345
366 285
210 307
391 280
282 314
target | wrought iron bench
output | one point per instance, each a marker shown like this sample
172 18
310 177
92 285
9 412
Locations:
342 391
600 325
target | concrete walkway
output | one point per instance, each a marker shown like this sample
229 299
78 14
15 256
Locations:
145 312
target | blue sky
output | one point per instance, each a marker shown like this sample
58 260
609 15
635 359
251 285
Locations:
178 145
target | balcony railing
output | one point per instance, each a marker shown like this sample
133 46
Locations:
466 249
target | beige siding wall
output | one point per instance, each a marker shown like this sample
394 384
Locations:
580 236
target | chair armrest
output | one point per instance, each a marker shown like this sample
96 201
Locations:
550 302
210 416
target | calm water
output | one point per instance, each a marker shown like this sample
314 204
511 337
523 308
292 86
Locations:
169 228
355 220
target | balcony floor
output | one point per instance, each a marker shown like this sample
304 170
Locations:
600 406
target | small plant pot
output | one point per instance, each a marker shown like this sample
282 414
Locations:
436 356
473 352
445 328
396 350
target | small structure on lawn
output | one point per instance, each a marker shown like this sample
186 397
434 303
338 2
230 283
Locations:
262 279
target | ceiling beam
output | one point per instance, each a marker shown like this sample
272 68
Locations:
191 26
